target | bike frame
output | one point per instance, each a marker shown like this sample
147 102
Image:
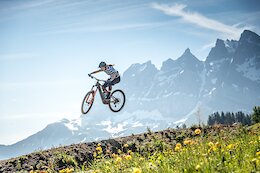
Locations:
98 88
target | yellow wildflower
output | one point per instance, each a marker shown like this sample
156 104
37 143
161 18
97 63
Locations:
197 167
128 157
99 145
130 152
192 142
197 131
66 170
254 160
99 149
230 146
177 148
217 144
119 151
258 153
137 170
178 145
187 142
210 144
118 159
96 171
125 145
94 154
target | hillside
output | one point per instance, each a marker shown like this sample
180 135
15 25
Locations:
228 80
211 148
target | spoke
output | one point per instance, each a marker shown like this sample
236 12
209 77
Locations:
117 101
87 102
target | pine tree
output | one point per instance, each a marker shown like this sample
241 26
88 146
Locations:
222 118
229 118
248 120
217 118
233 119
256 114
210 120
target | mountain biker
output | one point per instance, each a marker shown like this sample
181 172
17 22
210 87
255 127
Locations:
114 77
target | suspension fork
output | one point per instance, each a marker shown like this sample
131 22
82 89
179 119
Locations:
94 93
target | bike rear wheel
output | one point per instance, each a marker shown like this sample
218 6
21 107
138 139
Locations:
87 102
117 100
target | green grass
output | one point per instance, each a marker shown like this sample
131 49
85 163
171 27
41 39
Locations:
219 150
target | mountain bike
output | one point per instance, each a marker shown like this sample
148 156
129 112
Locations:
116 100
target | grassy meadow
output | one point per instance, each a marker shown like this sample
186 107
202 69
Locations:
215 148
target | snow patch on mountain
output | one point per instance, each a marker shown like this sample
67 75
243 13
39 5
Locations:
83 140
213 89
249 70
231 45
105 123
137 124
72 125
210 92
168 94
181 121
115 129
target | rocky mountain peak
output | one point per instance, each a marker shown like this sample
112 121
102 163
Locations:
166 65
220 43
231 45
187 51
140 68
218 52
187 56
186 60
249 37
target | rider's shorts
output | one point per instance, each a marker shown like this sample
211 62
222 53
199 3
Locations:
111 83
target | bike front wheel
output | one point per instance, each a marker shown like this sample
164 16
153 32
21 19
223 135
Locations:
117 100
87 102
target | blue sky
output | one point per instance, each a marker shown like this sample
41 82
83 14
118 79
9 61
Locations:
48 47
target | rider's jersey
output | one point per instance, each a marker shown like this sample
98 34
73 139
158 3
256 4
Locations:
111 71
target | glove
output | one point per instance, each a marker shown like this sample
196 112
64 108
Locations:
90 75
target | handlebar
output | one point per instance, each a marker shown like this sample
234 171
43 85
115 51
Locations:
96 78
